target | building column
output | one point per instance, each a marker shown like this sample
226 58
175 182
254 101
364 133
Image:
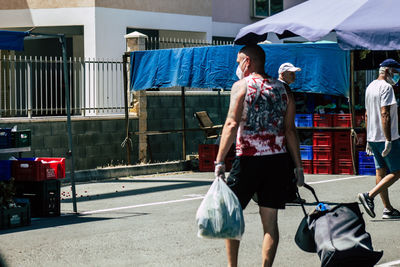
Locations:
135 41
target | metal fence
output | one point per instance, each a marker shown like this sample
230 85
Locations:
154 43
33 86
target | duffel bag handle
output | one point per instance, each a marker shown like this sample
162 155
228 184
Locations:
312 191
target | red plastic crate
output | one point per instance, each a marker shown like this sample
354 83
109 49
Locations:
322 139
322 153
57 164
208 151
344 167
30 170
341 137
206 165
322 167
307 166
343 152
38 169
323 120
342 120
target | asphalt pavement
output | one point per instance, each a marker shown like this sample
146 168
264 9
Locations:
150 221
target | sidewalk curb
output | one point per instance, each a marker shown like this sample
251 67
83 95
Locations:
126 171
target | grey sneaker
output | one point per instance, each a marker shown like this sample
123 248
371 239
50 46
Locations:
368 203
391 214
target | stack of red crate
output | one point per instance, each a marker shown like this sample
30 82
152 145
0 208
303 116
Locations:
342 154
322 152
208 154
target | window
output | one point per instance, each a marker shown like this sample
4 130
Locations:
266 8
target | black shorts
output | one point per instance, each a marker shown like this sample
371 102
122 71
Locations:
268 176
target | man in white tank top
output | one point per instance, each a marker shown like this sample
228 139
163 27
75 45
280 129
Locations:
261 119
382 137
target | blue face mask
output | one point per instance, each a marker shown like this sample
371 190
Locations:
396 78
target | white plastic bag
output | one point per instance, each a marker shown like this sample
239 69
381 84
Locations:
220 214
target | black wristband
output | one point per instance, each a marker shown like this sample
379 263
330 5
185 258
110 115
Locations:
219 163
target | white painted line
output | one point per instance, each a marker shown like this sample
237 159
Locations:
388 264
141 205
338 179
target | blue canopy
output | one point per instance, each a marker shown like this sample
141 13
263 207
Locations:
11 40
359 24
325 67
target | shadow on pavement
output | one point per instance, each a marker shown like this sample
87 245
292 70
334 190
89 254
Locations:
181 184
70 219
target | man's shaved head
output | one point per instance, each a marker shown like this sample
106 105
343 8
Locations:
256 55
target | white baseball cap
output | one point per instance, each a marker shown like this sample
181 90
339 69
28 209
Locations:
288 67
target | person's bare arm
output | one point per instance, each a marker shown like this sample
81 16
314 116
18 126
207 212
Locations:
232 120
292 138
386 125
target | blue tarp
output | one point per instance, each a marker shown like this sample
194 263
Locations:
325 67
11 40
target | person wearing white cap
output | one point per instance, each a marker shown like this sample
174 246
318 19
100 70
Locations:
383 140
287 75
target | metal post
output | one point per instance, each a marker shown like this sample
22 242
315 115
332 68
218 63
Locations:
183 124
125 88
67 100
352 101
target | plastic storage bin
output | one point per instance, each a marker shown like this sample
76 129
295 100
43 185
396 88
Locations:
15 217
5 138
5 170
342 120
322 167
43 196
306 152
304 120
366 169
322 120
21 138
38 169
322 153
363 158
307 166
323 139
344 166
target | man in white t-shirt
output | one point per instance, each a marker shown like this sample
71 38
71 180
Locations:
382 137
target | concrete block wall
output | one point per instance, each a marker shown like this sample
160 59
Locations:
164 112
96 140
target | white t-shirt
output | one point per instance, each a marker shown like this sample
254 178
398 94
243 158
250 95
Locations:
379 93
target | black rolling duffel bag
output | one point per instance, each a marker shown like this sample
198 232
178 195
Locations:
338 236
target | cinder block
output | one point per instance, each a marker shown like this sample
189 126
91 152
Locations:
59 128
78 127
55 141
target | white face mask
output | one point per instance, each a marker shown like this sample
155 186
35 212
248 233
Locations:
239 72
389 78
